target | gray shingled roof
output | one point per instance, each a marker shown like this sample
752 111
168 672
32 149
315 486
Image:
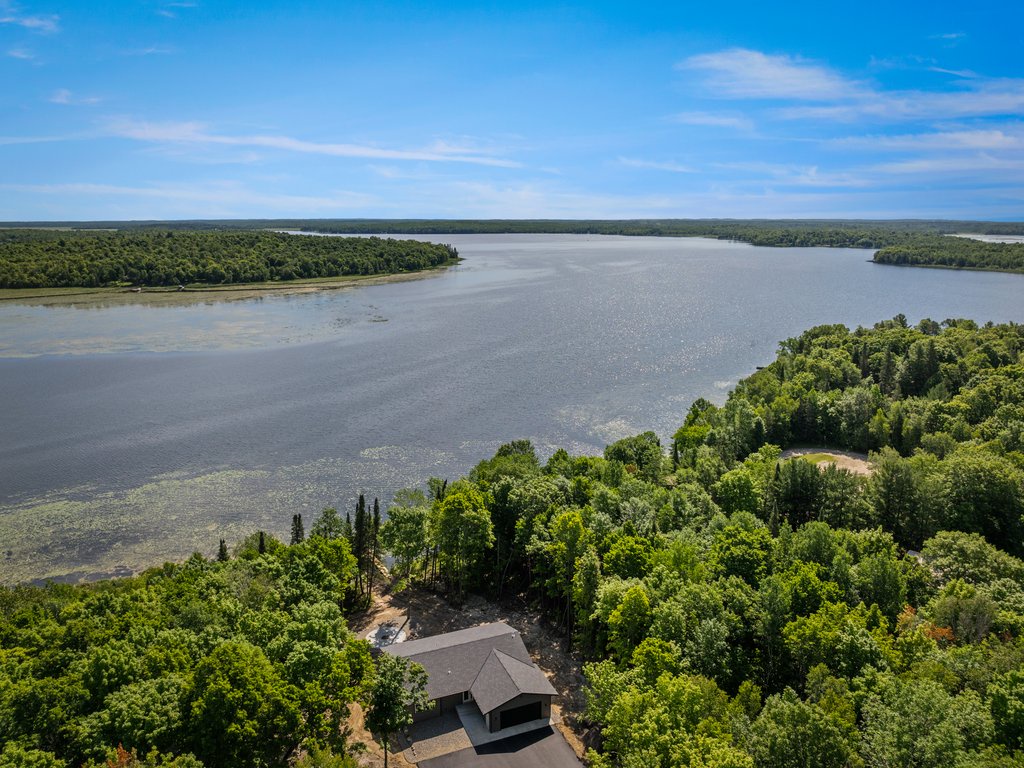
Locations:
503 677
455 659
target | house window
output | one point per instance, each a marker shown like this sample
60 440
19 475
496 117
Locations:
466 696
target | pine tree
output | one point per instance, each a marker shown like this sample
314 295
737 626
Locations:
360 540
298 532
372 558
222 552
262 548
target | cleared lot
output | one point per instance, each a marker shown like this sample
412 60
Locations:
545 747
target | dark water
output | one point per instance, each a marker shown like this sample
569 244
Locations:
137 448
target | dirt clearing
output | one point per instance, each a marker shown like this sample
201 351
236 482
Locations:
857 463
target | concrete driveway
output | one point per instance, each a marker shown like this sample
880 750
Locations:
543 747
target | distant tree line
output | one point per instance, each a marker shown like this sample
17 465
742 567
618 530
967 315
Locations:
548 226
954 252
94 258
216 252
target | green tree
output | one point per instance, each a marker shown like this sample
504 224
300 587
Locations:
398 689
629 622
790 733
641 451
404 533
463 531
918 724
240 711
1006 697
298 531
328 525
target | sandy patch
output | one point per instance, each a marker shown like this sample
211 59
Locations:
857 463
105 297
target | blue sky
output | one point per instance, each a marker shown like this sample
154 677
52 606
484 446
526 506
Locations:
200 108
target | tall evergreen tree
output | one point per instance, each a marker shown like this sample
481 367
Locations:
222 552
371 569
298 532
262 548
360 542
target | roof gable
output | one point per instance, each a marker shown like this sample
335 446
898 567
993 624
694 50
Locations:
503 677
454 660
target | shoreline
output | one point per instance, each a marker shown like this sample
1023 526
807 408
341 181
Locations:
170 296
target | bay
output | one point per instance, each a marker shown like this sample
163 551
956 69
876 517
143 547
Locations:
134 434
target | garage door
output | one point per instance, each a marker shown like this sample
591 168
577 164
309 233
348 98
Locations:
522 714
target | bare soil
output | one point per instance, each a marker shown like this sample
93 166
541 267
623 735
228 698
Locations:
857 463
423 613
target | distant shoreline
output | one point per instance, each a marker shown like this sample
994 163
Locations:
170 296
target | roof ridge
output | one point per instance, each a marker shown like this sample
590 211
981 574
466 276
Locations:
494 652
512 658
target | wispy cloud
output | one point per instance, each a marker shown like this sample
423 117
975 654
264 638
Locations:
171 14
47 24
714 120
193 133
962 73
981 139
746 74
969 165
950 36
21 53
979 98
151 50
656 165
64 96
794 175
223 193
743 74
15 140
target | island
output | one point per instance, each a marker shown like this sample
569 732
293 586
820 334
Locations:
154 259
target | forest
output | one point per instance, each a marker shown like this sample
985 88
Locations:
47 258
734 608
955 253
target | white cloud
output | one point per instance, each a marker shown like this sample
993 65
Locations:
64 96
47 25
226 195
656 165
989 164
152 50
21 53
988 98
966 74
15 140
197 134
792 175
747 74
714 120
739 73
980 139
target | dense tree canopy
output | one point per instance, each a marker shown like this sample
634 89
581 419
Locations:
239 662
741 609
92 258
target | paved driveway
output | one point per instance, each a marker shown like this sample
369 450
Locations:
545 747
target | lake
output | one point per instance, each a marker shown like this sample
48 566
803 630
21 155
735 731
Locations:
135 434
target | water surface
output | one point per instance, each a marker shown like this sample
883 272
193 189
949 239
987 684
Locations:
133 434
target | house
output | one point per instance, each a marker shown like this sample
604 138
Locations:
488 665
